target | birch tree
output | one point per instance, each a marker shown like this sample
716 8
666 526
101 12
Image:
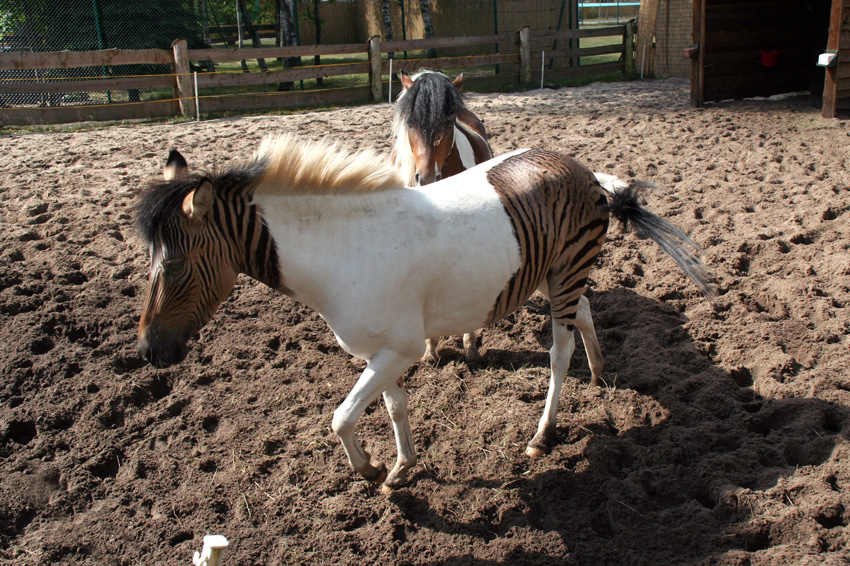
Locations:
285 20
388 24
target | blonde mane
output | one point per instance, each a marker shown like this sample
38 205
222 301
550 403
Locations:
296 166
402 155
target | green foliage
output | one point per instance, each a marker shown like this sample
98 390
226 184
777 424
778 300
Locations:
46 25
7 23
223 12
153 23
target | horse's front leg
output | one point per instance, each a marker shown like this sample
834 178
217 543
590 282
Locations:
380 374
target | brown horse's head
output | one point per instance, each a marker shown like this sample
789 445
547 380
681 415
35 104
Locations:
425 113
192 267
429 157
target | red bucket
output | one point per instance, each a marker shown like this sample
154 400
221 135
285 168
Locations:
769 57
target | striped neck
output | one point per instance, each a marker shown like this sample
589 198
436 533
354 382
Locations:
252 248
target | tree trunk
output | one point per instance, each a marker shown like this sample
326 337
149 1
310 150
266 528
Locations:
278 29
428 24
388 24
255 38
205 24
286 36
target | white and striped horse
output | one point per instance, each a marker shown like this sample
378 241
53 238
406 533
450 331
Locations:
437 136
386 266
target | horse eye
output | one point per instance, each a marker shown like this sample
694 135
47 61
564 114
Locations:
173 267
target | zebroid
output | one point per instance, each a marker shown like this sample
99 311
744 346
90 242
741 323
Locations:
385 265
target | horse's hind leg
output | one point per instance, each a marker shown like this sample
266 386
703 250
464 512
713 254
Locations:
563 346
430 355
470 346
396 401
584 323
569 308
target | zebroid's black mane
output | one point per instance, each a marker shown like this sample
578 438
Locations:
160 201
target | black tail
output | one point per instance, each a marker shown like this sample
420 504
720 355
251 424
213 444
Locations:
624 204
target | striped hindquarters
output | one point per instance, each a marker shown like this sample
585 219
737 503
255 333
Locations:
559 215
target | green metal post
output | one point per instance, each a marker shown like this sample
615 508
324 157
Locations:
403 25
574 20
297 32
297 35
496 27
100 42
560 21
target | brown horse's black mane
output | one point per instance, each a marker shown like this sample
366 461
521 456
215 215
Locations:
160 201
430 105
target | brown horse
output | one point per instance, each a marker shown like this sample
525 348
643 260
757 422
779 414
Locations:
436 135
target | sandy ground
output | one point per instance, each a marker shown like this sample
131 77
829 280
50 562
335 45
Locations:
721 436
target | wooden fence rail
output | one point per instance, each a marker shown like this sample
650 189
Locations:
40 80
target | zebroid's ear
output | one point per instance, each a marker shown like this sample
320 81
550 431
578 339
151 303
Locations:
175 166
198 203
406 81
458 82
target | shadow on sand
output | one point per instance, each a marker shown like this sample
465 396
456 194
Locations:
677 491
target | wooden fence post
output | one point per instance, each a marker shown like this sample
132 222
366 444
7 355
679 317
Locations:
629 53
524 55
185 89
375 72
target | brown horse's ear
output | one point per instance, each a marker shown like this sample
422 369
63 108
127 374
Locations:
175 166
198 203
406 83
458 82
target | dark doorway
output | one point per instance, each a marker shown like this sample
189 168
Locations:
758 48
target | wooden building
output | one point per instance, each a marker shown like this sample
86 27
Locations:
836 91
746 48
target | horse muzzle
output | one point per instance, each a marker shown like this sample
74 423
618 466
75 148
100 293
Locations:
420 180
161 347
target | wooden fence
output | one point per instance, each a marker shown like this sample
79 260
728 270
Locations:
515 55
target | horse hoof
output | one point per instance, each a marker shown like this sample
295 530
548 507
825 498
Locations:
396 478
474 359
378 474
382 474
392 484
536 451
